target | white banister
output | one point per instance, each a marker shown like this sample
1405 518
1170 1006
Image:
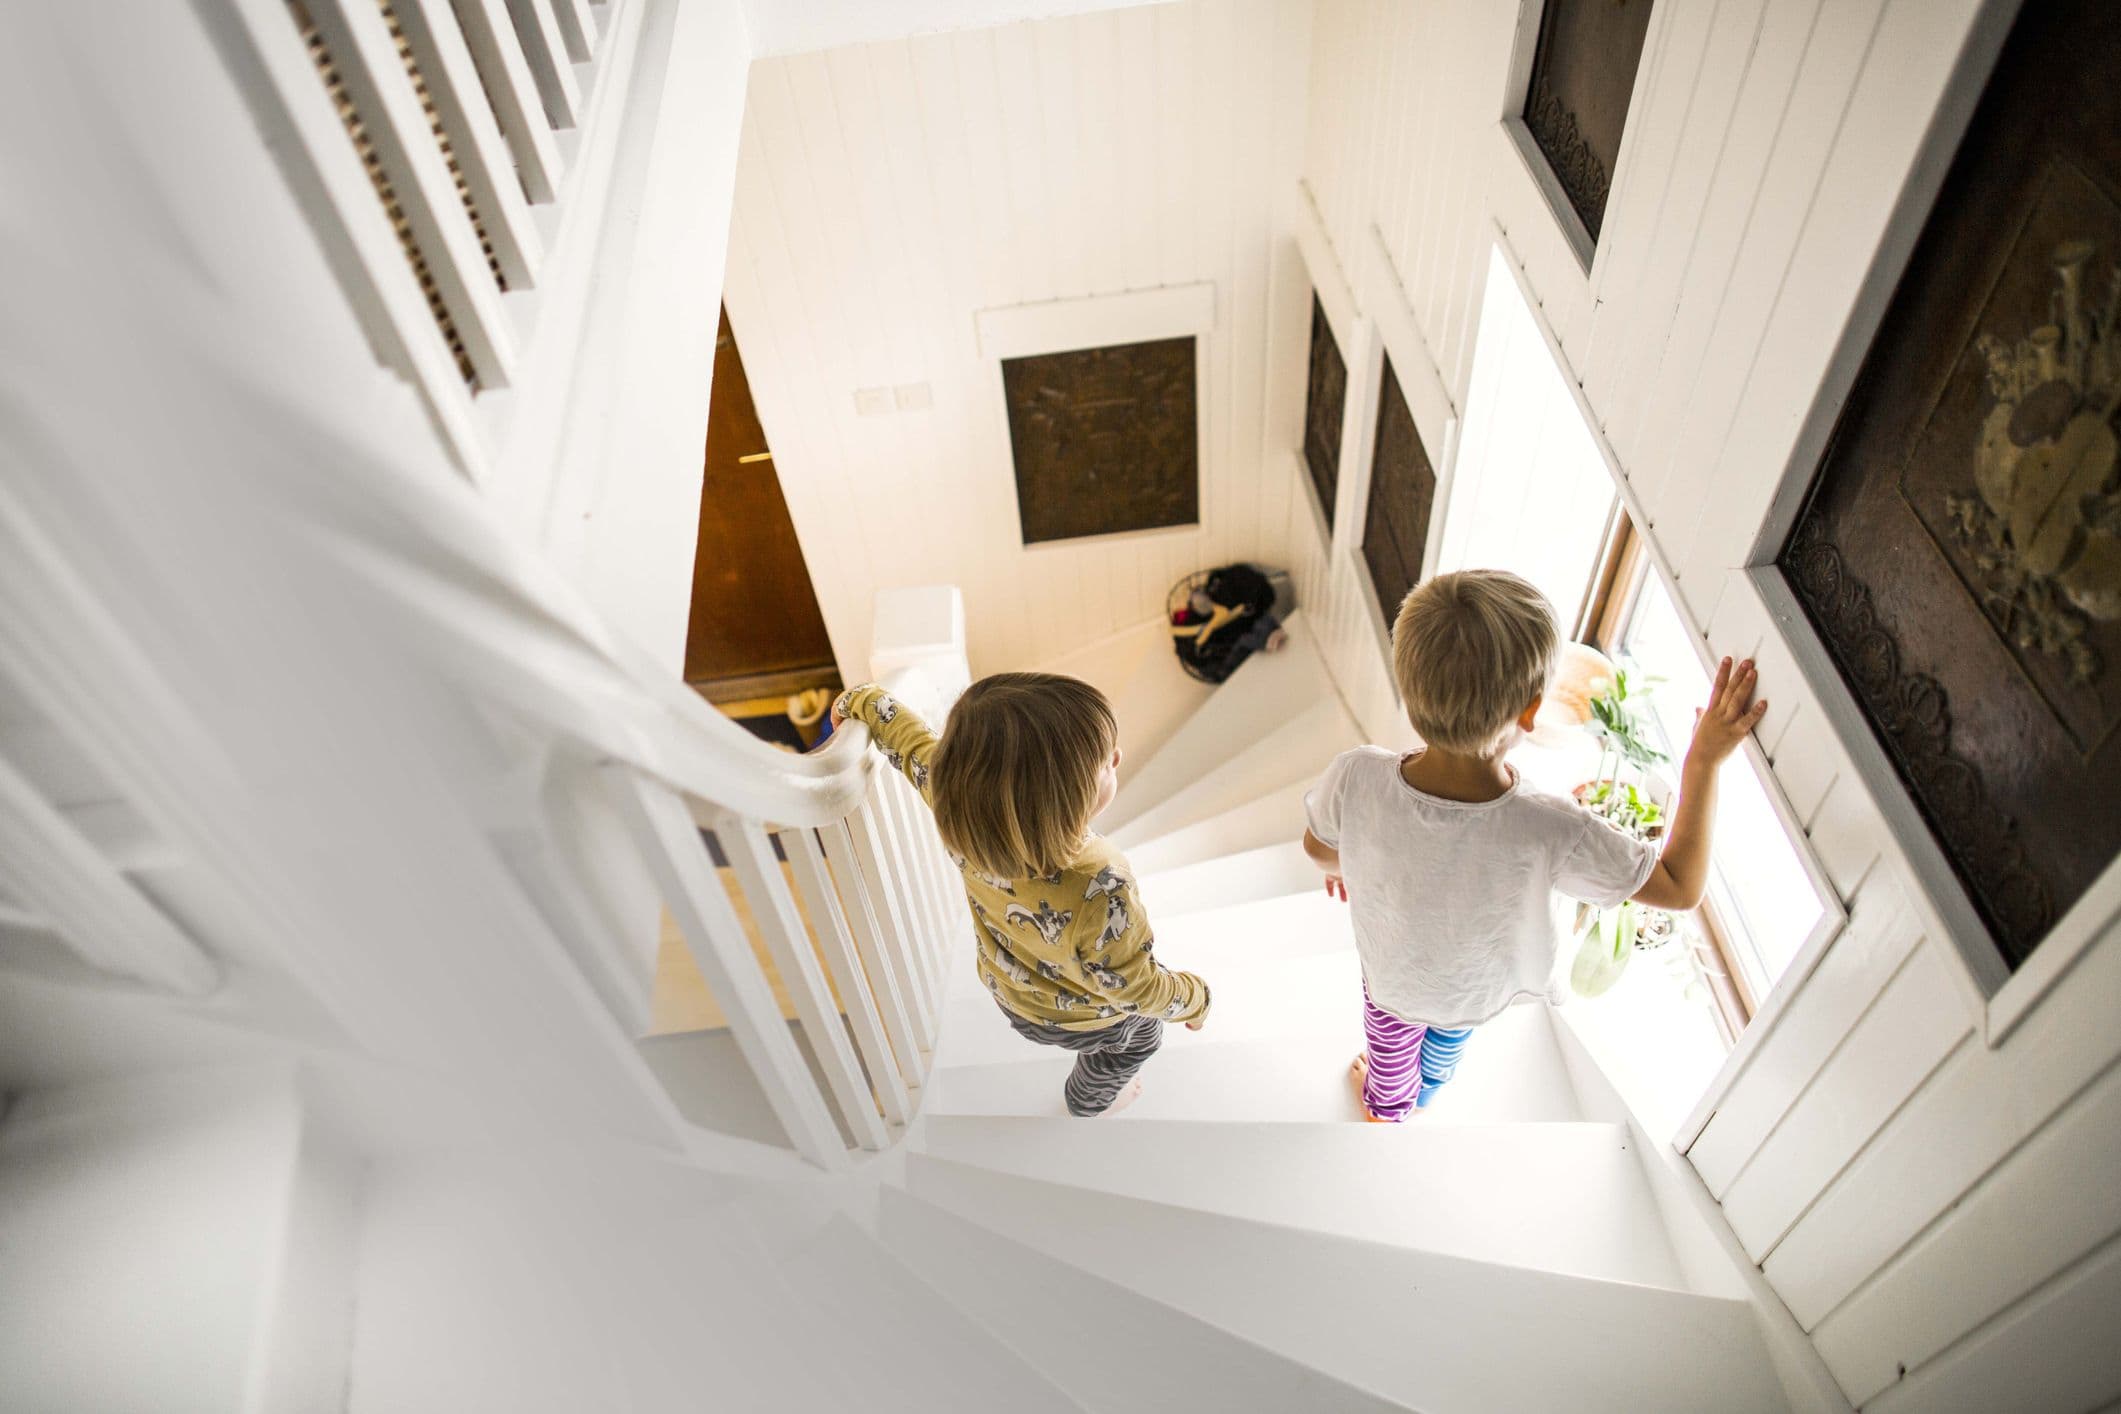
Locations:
893 927
670 845
773 909
546 49
843 858
814 887
504 72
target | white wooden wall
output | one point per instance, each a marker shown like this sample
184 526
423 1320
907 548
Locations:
1932 1194
886 192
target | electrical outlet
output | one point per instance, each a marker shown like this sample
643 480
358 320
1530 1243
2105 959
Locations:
873 402
913 397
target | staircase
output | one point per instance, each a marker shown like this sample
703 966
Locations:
1234 1240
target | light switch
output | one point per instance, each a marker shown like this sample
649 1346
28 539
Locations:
873 402
914 397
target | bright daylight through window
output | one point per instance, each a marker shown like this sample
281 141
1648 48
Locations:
1659 998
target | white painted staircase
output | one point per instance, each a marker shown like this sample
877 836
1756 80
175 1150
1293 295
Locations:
1234 1241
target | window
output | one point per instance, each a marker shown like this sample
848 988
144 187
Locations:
1762 905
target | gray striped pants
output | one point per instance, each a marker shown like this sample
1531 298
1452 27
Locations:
1105 1060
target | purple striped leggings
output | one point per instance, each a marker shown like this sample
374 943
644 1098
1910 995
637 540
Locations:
1409 1062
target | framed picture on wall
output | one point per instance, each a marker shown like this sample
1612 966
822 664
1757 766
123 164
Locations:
1955 553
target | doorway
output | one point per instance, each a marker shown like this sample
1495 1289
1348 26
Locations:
756 633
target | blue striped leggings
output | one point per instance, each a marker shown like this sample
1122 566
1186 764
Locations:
1409 1062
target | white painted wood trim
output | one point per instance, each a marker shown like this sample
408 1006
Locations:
1094 321
841 857
579 27
671 847
894 933
546 50
368 62
505 73
482 153
830 920
1329 281
261 45
1568 226
773 909
74 891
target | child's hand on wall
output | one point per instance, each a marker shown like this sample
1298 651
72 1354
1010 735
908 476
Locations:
1721 727
1336 887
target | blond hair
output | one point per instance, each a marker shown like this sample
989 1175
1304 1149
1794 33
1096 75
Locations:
1471 651
1014 778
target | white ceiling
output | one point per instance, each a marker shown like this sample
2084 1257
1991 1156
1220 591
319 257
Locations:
798 26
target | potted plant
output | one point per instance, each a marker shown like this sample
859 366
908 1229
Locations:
1622 790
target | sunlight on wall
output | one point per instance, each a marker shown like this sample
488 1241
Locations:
1531 492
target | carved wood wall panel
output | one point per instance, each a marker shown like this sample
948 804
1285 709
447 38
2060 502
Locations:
1395 528
1583 73
1105 440
1325 399
1960 549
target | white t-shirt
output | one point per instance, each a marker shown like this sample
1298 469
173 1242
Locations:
1453 902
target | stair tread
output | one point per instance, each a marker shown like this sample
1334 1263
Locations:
1564 1197
1276 817
1265 691
1147 1357
1271 872
1256 1069
884 1315
1290 752
1442 1333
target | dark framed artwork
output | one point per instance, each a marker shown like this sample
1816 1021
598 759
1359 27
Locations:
1325 400
1105 440
1576 104
1959 550
1395 528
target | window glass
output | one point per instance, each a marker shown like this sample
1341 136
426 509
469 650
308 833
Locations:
1758 884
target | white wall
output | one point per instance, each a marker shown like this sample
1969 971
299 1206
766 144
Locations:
887 192
1933 1199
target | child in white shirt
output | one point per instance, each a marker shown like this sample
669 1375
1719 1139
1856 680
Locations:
1449 862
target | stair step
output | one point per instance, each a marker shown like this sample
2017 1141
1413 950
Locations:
196 1213
1560 1197
1138 1356
551 1282
1292 752
906 1344
1274 818
1275 871
1265 692
1512 1073
1441 1333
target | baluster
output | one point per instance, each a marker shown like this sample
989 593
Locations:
504 71
892 793
842 856
546 49
481 153
830 923
670 844
870 846
773 909
578 26
382 93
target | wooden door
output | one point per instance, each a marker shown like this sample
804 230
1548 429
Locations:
756 630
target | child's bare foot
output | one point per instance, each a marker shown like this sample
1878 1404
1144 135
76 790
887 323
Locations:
1358 1076
1126 1097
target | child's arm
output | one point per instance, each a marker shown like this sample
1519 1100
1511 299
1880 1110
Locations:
900 734
1116 950
1326 857
1682 872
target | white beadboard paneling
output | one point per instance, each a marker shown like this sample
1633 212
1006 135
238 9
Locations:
1881 933
901 186
1767 148
1976 1109
2054 1350
1912 1026
2035 1214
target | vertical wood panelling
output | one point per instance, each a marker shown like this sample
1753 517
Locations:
1866 1150
891 190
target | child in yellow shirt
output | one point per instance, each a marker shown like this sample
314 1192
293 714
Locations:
1024 763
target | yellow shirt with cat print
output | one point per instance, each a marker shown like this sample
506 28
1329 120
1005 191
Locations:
1071 949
